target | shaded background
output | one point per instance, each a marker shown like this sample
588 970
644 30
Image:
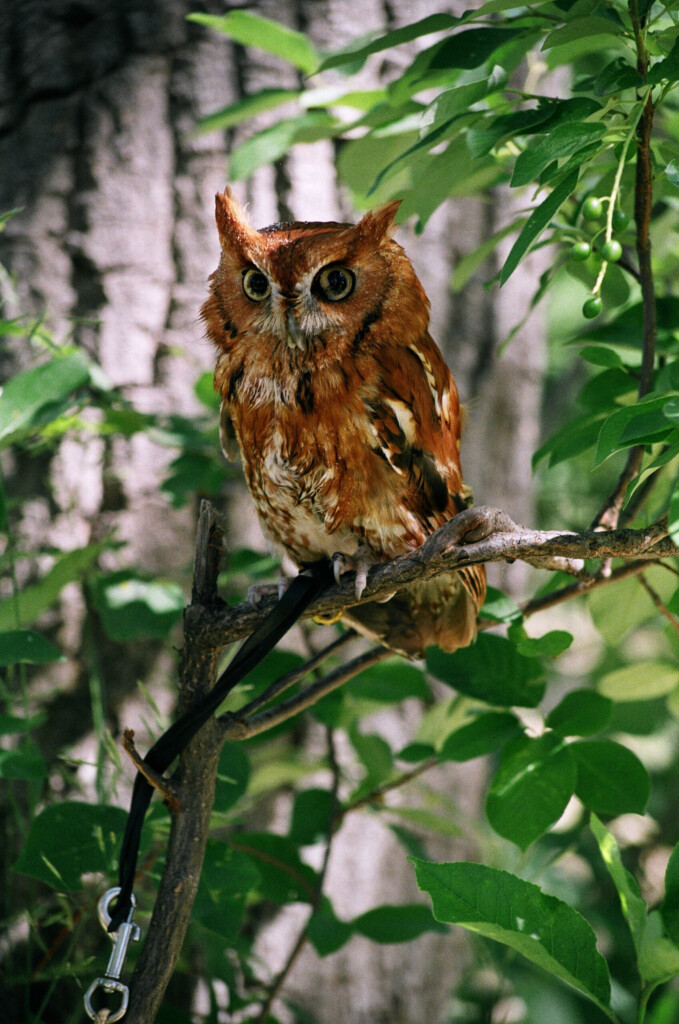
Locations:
99 101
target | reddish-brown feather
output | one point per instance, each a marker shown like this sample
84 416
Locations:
346 415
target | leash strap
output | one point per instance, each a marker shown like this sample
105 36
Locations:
303 589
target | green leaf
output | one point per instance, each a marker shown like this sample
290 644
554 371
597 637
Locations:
69 839
226 880
518 914
491 670
580 713
547 115
667 69
284 878
616 76
193 472
576 437
610 778
463 51
601 392
312 816
633 906
325 931
415 752
670 905
550 645
389 682
580 28
446 119
531 788
375 755
672 173
643 680
24 646
657 958
131 608
562 141
357 55
617 610
233 775
253 30
37 597
499 607
272 143
626 329
600 356
246 108
537 222
13 723
484 735
388 924
643 422
32 398
25 762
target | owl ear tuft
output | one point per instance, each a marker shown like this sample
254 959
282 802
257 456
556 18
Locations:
232 223
378 224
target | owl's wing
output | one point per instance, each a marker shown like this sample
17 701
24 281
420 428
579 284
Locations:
416 419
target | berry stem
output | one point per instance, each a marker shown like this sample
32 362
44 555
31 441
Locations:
613 198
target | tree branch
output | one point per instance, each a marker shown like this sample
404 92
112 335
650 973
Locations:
477 535
193 783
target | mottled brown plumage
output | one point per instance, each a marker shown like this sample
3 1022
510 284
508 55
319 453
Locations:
345 413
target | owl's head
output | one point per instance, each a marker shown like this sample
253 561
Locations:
305 285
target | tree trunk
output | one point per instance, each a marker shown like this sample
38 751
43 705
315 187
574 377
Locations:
114 243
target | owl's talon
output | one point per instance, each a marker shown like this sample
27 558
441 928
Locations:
361 578
339 565
360 563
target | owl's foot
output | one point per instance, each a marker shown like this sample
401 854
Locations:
360 563
476 524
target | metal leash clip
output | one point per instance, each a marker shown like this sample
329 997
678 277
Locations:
126 933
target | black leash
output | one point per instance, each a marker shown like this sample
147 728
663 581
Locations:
303 589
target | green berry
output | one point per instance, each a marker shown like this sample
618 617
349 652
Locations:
581 251
611 251
592 208
592 307
620 220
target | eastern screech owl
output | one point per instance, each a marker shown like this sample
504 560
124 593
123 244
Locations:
346 416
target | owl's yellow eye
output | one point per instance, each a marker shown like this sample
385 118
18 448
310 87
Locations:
335 283
256 285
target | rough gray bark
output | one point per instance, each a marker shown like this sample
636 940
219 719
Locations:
115 242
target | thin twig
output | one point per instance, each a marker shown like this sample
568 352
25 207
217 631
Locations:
294 676
541 604
237 728
164 786
660 605
377 795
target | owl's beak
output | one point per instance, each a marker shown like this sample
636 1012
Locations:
295 336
